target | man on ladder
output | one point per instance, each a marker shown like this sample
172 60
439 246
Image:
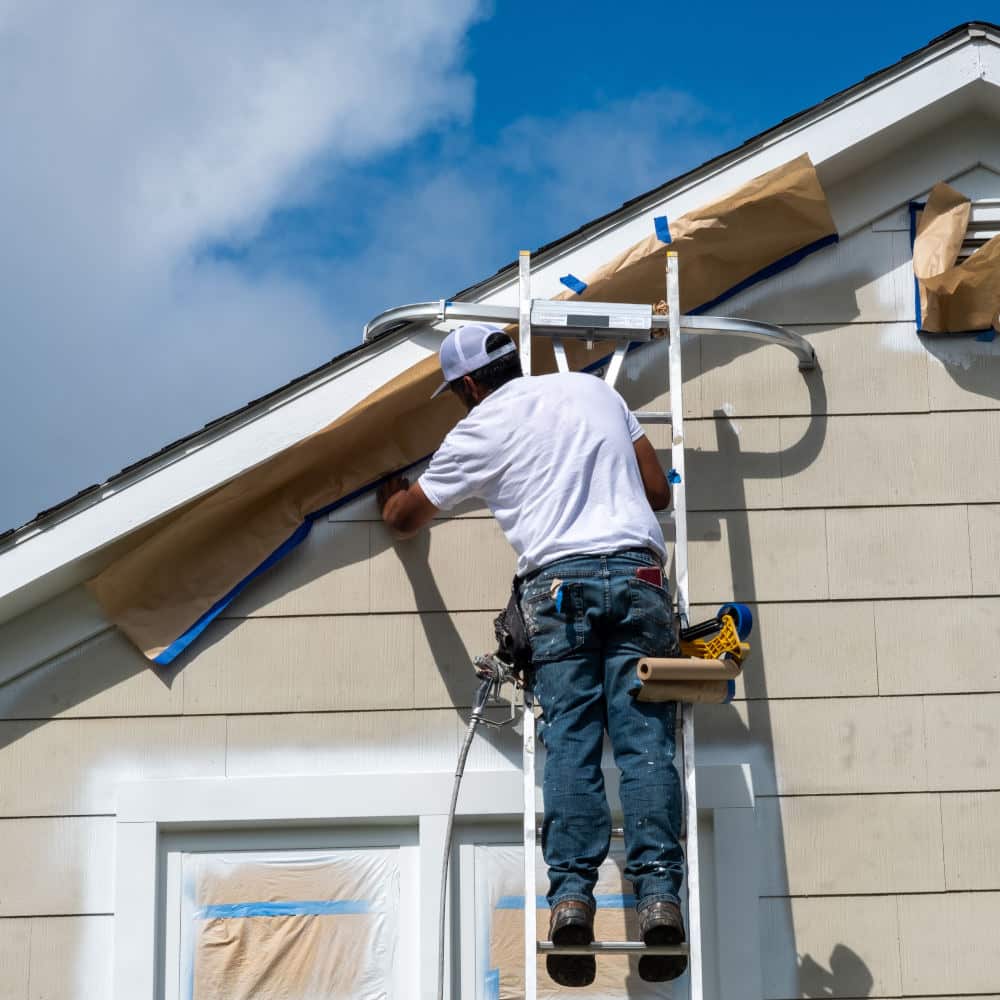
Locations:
568 472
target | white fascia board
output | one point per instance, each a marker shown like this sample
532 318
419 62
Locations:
987 47
199 466
828 131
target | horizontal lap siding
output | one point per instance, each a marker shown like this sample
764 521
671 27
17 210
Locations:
813 746
877 814
71 767
44 958
927 945
857 510
59 865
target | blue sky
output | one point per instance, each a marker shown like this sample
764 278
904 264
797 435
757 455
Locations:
209 199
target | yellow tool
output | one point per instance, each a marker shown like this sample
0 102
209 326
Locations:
725 642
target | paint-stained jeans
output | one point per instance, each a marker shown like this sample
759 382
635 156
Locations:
590 619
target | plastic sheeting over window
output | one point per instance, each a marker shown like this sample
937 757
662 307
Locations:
500 930
290 926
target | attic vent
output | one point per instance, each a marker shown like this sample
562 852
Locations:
984 224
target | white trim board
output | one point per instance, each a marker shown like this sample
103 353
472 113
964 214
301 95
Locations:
152 810
306 799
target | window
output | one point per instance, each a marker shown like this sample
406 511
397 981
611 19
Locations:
350 864
288 920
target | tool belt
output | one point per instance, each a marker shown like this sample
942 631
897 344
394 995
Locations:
513 644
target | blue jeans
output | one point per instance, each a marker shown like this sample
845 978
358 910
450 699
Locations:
587 633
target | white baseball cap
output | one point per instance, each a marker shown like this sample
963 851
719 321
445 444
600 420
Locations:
464 351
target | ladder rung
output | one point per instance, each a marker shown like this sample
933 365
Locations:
653 416
616 831
611 948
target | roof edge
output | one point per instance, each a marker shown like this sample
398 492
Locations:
938 46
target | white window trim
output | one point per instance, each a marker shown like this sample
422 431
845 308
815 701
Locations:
150 809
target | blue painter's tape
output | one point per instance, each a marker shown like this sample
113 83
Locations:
574 284
605 901
492 985
915 207
298 536
768 272
182 642
662 226
517 903
987 336
293 908
674 477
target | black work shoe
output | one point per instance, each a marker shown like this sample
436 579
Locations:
661 923
571 922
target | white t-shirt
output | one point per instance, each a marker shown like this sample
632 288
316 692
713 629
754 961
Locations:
553 457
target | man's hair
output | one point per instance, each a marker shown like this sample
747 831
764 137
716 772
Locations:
499 372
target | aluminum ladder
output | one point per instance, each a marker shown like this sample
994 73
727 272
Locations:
624 324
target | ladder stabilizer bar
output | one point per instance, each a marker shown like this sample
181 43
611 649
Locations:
477 312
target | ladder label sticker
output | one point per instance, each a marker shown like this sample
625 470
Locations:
573 283
591 315
662 229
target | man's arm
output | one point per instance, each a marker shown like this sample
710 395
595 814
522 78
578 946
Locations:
405 508
653 480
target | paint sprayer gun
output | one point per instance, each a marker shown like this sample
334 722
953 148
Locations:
494 672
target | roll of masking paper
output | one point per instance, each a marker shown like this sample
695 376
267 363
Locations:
686 668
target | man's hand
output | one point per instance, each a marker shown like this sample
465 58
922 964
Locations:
393 485
404 508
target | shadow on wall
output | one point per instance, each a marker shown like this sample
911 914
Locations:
752 739
972 364
74 677
848 976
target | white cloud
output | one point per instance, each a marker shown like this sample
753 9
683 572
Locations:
458 218
141 134
136 133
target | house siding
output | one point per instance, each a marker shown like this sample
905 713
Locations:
856 510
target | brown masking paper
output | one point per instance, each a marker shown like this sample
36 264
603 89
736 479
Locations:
725 242
347 956
157 591
954 297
